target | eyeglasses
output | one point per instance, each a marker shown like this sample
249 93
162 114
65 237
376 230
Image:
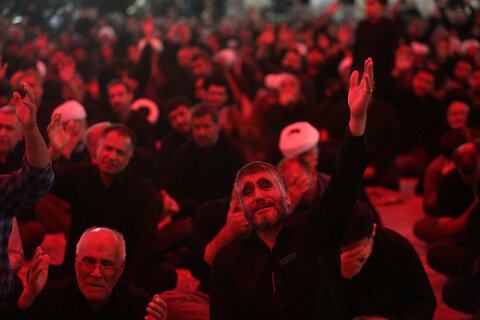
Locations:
89 265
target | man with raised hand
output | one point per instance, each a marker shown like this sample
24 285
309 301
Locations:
23 187
286 267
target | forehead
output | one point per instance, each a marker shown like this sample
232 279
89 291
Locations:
256 177
99 245
113 138
457 106
119 87
178 110
205 119
8 119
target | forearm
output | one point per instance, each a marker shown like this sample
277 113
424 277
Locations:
357 125
36 148
221 239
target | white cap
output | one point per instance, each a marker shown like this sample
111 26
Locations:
297 138
420 48
152 107
70 110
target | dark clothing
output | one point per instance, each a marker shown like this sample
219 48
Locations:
170 144
379 42
19 190
278 117
200 174
392 283
454 195
419 122
127 206
63 300
300 277
383 132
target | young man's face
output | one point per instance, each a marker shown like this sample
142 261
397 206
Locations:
423 84
205 131
457 115
374 9
120 98
217 95
180 119
263 199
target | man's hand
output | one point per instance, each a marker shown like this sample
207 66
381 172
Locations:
236 223
297 186
3 67
26 108
170 206
36 279
353 260
156 309
58 135
359 96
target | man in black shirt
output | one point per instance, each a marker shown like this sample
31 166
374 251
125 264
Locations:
288 268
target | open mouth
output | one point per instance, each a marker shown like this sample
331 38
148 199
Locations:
263 207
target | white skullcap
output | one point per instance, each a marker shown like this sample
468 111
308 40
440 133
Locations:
420 48
70 110
297 138
226 57
106 33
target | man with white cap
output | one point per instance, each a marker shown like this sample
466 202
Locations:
71 116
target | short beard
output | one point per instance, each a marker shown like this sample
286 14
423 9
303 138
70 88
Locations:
264 223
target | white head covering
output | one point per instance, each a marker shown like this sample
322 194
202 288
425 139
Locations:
70 110
297 138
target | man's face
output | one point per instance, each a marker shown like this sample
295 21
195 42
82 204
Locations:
10 133
475 81
293 172
310 157
463 71
113 153
355 255
200 67
180 119
217 96
264 201
120 98
98 266
292 61
373 9
422 83
205 131
457 115
37 88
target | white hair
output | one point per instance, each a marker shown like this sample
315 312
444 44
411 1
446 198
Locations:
120 240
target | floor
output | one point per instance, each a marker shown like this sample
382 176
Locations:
398 210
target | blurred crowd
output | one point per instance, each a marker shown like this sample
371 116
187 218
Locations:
200 97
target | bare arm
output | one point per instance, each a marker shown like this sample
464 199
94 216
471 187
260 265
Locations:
26 110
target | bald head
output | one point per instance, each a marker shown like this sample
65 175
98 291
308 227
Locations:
107 235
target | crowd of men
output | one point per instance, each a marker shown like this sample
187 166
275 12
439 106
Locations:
237 150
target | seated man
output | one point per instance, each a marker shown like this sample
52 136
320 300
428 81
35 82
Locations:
96 292
382 273
288 268
109 193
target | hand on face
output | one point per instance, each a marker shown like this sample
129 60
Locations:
352 261
236 223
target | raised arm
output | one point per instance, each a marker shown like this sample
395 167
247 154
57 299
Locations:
26 110
359 96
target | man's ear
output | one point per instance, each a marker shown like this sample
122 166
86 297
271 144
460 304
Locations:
374 230
122 266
